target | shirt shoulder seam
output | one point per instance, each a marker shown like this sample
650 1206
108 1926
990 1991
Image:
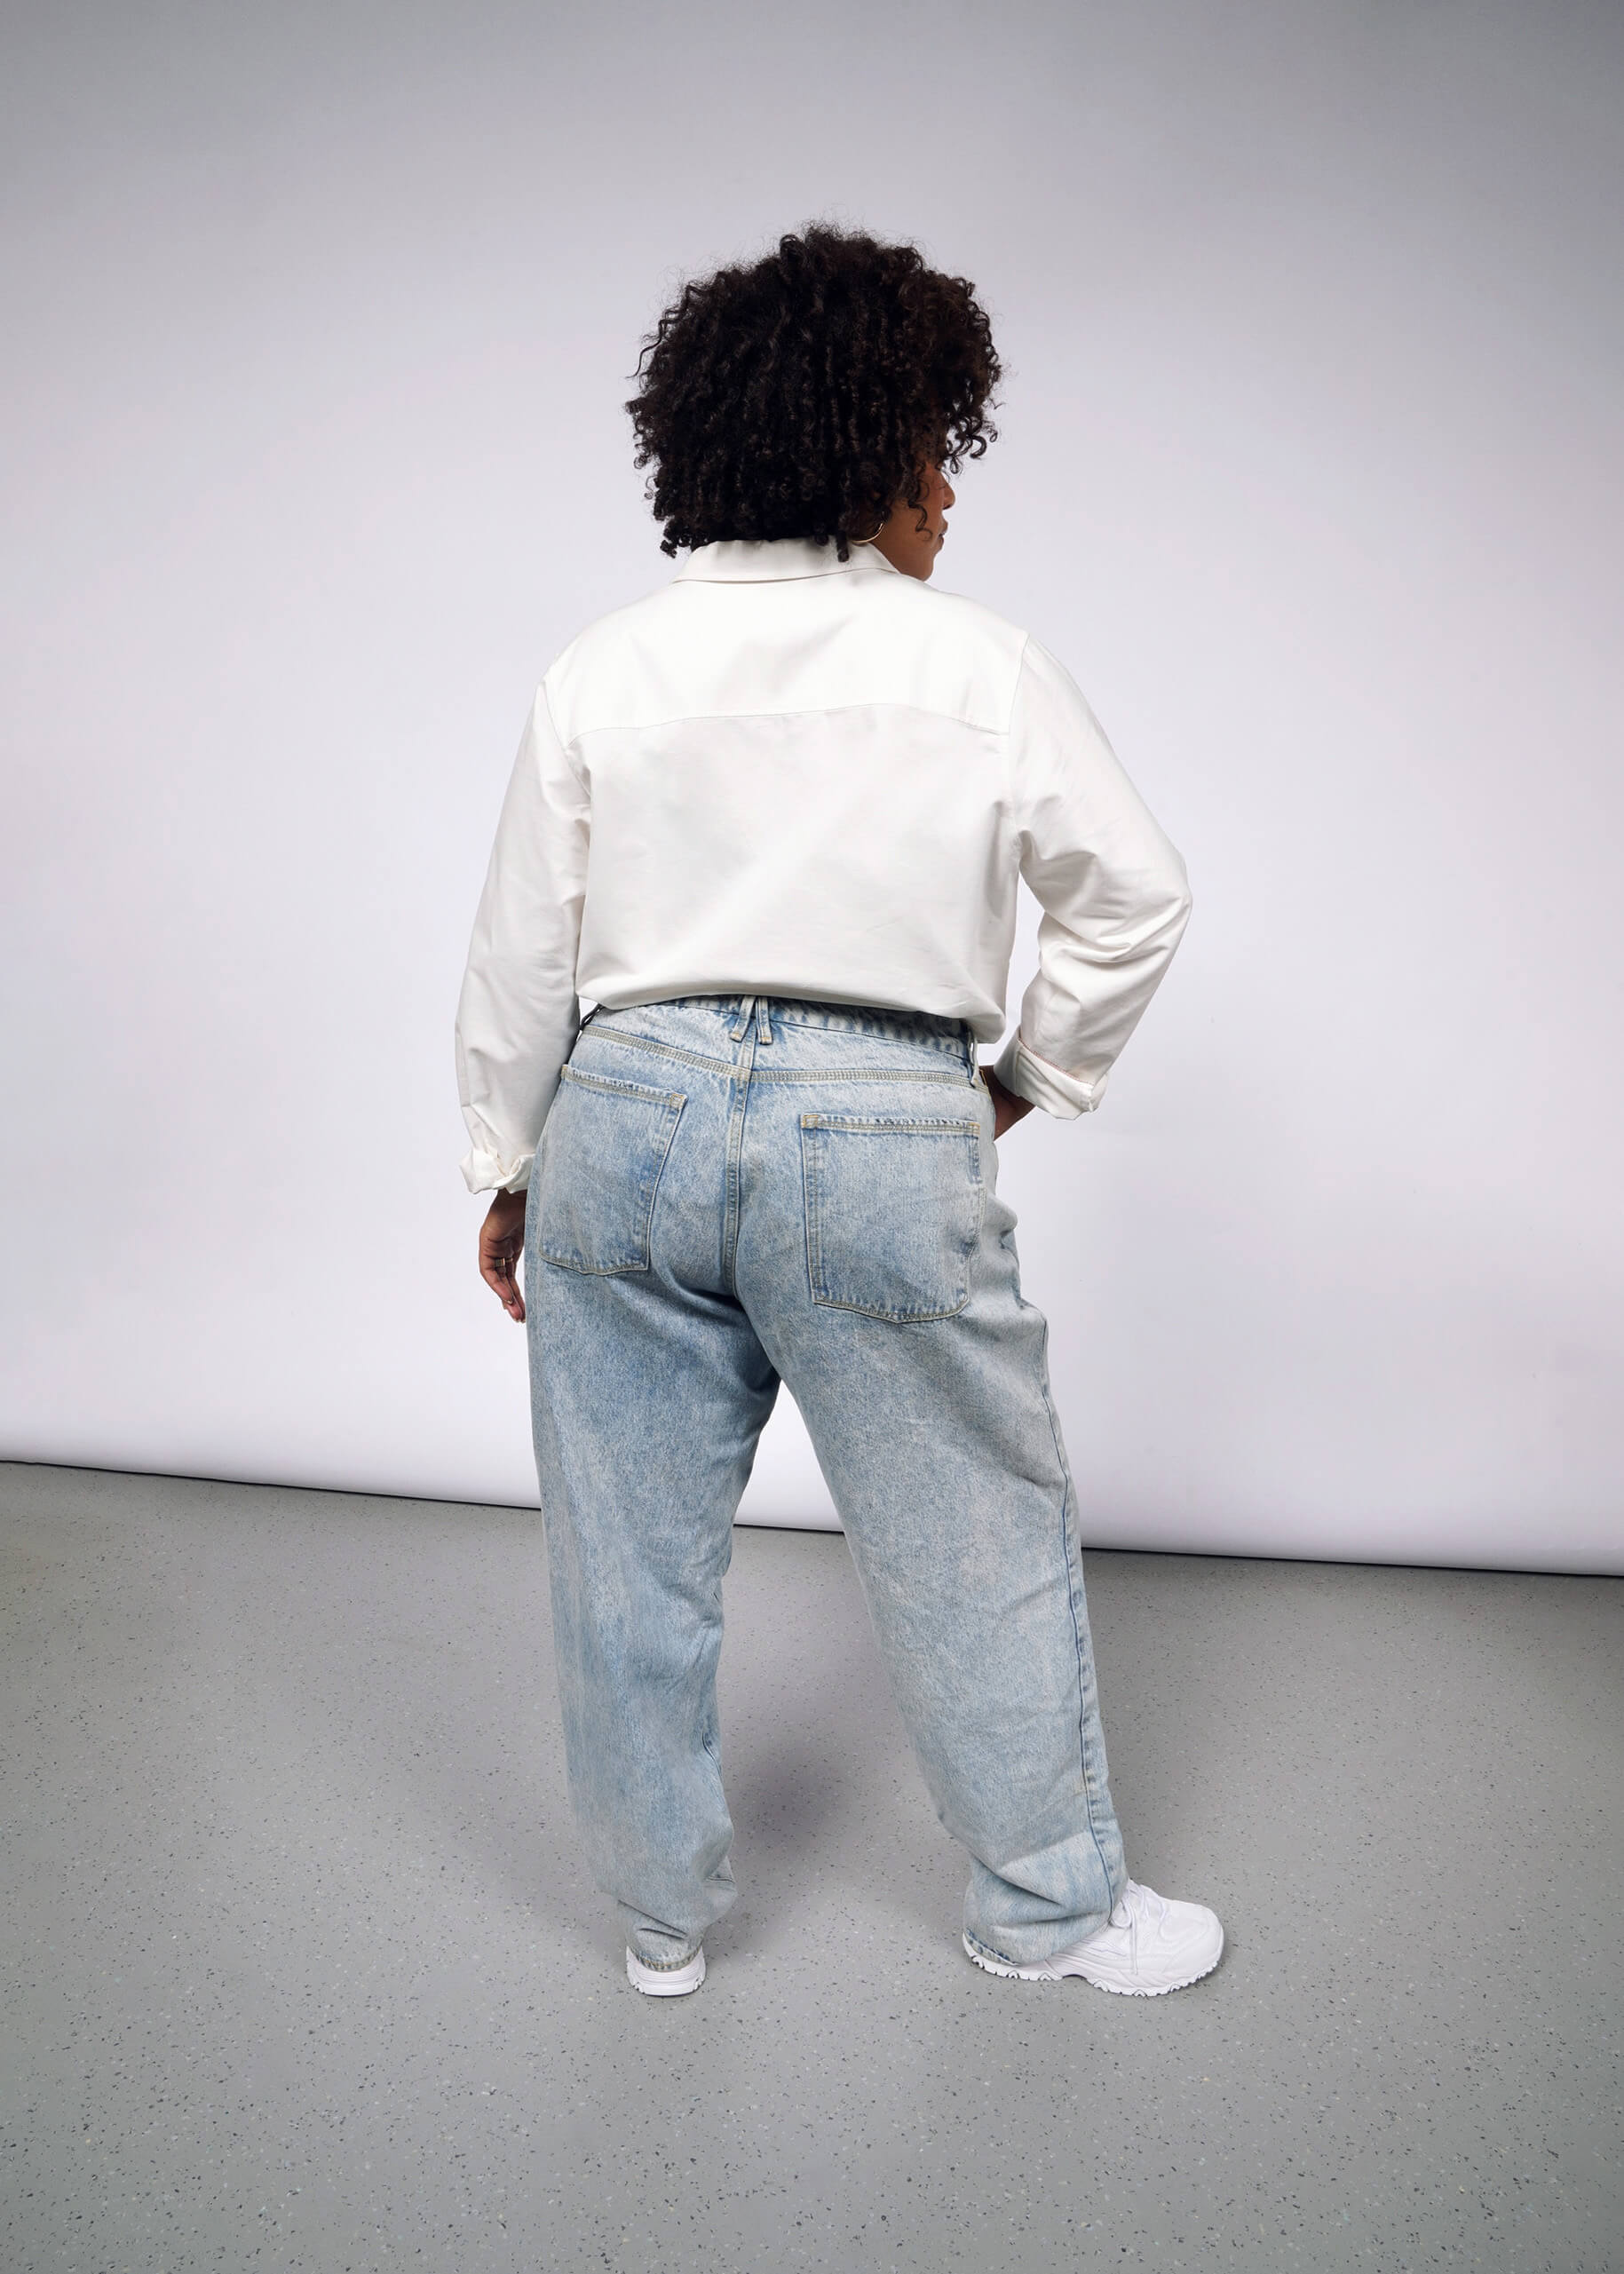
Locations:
545 701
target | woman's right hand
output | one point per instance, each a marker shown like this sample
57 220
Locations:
502 1243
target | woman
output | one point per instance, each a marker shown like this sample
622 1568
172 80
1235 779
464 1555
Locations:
769 821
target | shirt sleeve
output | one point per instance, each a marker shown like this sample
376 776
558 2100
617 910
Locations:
1114 891
519 1014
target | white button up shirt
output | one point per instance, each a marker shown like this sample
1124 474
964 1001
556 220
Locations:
788 774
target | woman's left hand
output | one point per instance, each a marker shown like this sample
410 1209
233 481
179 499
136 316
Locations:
502 1243
1007 1107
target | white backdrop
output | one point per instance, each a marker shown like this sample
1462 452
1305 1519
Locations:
319 325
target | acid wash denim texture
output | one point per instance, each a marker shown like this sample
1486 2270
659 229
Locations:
736 1191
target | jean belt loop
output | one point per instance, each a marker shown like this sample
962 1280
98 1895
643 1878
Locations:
763 1021
747 1005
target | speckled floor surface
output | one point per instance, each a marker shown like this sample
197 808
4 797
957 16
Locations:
300 1971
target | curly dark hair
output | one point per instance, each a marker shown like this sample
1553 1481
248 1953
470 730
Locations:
803 396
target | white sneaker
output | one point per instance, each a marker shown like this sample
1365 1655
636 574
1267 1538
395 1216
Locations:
666 1981
1148 1947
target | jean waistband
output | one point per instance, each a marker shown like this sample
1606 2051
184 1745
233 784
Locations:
953 1036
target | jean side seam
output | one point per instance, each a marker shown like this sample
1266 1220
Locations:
1071 1596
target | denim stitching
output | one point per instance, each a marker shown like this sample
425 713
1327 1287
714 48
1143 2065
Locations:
892 1317
898 1031
779 1074
622 1089
811 1190
673 1102
929 1029
734 1169
666 1050
811 1199
879 1073
927 1125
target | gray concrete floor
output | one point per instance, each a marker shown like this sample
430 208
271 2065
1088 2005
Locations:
301 1969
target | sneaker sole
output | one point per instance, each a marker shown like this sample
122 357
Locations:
1047 1973
666 1981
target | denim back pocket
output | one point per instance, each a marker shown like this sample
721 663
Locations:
603 1149
893 1208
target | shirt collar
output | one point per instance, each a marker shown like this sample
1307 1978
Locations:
740 560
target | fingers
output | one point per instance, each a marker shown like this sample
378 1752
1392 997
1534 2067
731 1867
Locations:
1007 1108
499 1268
501 1240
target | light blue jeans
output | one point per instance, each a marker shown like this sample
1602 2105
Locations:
736 1191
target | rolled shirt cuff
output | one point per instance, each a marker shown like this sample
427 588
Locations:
1031 1077
487 1172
